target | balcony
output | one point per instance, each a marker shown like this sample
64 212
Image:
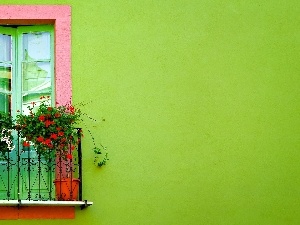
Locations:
28 178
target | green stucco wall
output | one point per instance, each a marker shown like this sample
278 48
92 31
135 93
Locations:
201 107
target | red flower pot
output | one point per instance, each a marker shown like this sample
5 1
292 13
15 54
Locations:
66 189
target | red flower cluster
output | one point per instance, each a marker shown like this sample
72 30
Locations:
48 123
49 128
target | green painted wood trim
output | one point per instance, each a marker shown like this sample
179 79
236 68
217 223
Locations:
32 29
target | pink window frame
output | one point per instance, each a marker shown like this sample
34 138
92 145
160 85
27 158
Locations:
60 17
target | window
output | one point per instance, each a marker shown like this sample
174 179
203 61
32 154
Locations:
59 16
26 74
26 67
17 22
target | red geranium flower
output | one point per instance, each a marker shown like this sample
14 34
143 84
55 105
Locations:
48 123
72 109
40 139
41 118
53 136
61 133
47 142
69 156
50 145
26 144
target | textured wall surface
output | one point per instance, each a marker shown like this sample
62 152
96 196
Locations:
198 105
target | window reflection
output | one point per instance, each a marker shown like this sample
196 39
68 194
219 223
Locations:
5 105
36 76
33 99
5 72
37 45
5 77
5 47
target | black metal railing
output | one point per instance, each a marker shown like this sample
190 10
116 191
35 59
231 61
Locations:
26 174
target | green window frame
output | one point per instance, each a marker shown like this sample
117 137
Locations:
29 69
26 74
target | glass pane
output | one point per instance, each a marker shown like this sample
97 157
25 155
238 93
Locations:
5 77
34 99
5 103
5 47
36 46
36 76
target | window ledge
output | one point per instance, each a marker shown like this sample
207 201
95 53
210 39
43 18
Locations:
81 204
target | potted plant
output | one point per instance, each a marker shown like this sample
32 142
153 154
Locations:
49 128
52 132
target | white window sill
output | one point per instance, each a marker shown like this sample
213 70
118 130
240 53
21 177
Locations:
81 204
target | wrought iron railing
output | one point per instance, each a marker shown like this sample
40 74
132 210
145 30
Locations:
25 174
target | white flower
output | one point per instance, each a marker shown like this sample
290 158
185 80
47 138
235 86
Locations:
6 137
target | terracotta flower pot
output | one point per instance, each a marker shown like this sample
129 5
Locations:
66 189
